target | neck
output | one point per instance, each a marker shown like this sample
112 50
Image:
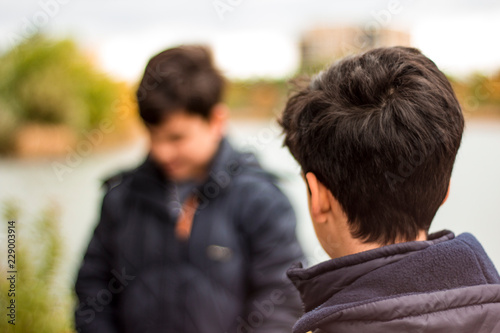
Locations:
345 244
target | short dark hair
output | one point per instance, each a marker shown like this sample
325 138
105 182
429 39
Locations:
180 78
381 131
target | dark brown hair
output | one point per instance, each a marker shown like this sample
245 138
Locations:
381 131
179 79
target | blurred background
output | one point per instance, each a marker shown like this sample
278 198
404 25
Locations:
68 119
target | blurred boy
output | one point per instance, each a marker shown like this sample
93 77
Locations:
198 238
376 136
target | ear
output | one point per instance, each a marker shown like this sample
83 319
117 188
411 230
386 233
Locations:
447 194
319 204
218 118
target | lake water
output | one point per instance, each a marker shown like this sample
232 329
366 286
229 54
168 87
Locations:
473 205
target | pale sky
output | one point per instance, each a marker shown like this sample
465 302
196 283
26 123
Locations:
254 38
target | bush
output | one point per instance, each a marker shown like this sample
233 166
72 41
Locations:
43 304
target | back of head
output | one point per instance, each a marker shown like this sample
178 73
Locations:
179 79
381 131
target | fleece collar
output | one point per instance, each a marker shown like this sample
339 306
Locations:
369 285
321 282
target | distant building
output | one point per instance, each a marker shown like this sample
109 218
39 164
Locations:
321 46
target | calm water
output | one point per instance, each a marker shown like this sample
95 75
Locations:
473 204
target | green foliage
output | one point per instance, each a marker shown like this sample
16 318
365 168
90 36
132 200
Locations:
52 82
266 98
484 89
256 98
43 304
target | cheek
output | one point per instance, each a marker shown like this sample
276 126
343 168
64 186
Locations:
199 148
202 152
157 151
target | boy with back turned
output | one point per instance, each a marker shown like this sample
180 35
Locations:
376 136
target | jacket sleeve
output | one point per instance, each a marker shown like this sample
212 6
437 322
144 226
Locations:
268 221
97 280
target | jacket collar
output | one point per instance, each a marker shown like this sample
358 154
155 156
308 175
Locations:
319 283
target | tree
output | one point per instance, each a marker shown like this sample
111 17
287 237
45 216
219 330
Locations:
46 81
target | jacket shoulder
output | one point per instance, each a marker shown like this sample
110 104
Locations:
248 172
258 183
459 310
116 187
119 179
